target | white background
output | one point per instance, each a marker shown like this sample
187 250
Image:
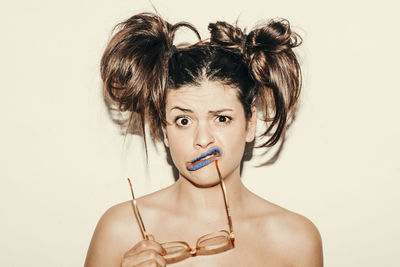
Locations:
63 162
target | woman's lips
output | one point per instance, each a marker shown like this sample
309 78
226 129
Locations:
204 159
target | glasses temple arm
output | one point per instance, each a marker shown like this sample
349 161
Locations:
137 214
228 213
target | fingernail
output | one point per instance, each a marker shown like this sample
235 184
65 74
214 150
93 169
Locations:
151 237
164 251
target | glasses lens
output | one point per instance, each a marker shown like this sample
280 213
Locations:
176 251
214 243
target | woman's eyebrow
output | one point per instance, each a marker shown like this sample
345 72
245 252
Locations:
215 112
182 109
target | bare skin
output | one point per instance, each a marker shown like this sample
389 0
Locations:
265 234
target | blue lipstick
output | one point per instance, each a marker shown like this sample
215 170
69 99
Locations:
204 159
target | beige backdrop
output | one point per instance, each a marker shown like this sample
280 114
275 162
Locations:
63 162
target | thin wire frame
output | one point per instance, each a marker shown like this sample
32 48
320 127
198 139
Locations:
137 214
211 243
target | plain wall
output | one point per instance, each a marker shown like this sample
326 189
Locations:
63 162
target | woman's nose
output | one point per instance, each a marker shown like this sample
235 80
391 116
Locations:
204 136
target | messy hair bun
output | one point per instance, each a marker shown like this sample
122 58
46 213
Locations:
134 67
140 63
267 51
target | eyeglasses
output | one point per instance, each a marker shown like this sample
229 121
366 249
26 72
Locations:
208 244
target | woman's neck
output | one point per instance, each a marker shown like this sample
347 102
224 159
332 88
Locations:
208 202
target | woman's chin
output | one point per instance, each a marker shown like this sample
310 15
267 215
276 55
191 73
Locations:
203 177
200 183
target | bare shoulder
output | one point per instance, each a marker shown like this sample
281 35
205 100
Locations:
117 230
290 235
115 233
296 232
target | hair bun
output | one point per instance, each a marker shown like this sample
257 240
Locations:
133 66
225 34
132 57
274 66
274 37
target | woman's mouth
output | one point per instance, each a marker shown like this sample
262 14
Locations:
204 159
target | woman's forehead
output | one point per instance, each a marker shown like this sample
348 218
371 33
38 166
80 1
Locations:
207 95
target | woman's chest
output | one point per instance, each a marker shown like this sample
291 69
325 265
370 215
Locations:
247 252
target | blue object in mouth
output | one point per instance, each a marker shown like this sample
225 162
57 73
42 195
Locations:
201 163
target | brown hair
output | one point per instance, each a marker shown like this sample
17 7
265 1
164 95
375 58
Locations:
141 63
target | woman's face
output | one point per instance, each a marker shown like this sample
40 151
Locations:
201 118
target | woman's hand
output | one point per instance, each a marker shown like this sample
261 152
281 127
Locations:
115 242
144 253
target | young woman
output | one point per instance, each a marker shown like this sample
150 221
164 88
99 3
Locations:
202 101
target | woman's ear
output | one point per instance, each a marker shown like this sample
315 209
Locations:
251 125
165 136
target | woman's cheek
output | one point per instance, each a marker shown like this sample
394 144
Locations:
234 142
179 143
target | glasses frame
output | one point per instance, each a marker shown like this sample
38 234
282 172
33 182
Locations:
198 250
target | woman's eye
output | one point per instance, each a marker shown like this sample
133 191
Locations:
223 119
182 121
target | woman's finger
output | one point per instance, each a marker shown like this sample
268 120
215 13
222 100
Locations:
144 253
160 263
146 245
144 258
